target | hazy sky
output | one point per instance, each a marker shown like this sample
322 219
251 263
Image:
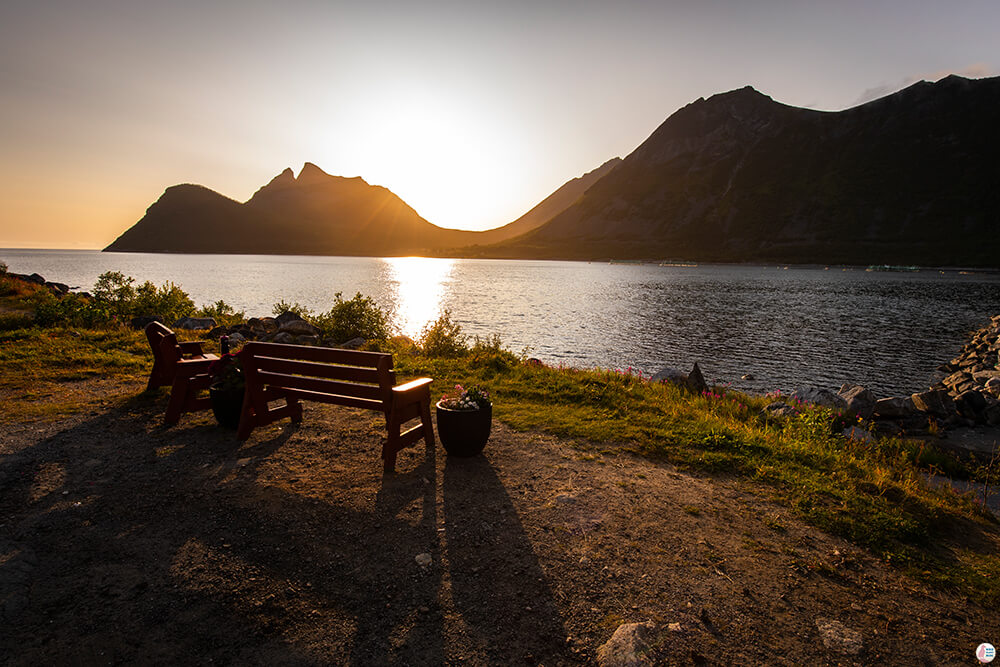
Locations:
470 111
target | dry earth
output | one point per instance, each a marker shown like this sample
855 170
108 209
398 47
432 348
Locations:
126 542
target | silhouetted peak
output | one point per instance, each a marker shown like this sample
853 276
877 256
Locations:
284 179
311 173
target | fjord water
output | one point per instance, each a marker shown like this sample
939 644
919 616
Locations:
787 327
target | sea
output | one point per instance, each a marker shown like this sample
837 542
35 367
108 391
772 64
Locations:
755 328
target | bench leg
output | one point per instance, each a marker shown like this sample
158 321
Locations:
178 397
425 419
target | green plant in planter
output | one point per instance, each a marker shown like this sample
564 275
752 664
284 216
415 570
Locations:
227 373
474 398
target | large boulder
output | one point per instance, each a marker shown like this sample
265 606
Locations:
970 404
287 317
629 646
693 381
299 328
896 407
198 323
144 321
859 400
821 397
935 402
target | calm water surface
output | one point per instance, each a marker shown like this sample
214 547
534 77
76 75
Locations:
786 327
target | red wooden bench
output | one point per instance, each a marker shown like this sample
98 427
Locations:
183 366
296 373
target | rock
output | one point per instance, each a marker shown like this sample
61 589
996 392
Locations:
58 288
35 278
423 560
859 400
217 333
897 407
970 403
353 344
934 401
984 377
748 377
696 381
857 433
628 646
236 339
838 637
144 321
992 386
286 317
266 324
307 340
195 323
991 415
822 397
299 328
780 409
693 381
283 337
671 375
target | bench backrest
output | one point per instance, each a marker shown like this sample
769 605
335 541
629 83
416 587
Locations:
329 375
166 352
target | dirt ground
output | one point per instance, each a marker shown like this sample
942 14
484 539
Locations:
123 541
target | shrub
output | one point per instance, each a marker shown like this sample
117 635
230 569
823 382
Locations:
223 313
71 310
489 353
114 289
444 338
359 317
168 301
294 308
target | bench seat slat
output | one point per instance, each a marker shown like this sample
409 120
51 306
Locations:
336 399
327 355
318 370
321 386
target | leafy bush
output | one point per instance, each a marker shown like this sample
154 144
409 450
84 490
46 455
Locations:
359 317
114 289
444 338
223 313
489 353
294 308
168 301
71 310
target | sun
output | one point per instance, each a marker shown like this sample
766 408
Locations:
451 158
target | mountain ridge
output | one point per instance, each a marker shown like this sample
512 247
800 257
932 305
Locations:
905 179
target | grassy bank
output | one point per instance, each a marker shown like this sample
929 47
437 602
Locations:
873 494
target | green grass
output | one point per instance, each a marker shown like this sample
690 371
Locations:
872 494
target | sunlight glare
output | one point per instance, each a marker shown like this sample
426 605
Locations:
419 285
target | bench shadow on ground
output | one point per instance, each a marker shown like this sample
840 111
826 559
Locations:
154 544
497 584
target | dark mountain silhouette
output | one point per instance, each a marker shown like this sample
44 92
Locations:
910 178
316 214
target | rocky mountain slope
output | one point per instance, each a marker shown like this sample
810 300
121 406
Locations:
906 179
316 214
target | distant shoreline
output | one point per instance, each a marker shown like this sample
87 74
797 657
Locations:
676 263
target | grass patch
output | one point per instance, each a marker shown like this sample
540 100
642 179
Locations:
872 494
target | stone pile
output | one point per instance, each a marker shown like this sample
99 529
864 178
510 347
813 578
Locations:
968 396
59 289
285 328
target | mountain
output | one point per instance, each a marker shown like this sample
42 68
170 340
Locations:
910 178
316 214
565 196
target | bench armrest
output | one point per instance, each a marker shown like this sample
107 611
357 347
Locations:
191 347
413 390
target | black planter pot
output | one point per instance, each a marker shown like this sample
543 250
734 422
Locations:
227 405
464 433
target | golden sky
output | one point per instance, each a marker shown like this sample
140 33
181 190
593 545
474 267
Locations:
471 112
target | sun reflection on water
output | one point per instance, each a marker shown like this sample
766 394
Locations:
418 285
